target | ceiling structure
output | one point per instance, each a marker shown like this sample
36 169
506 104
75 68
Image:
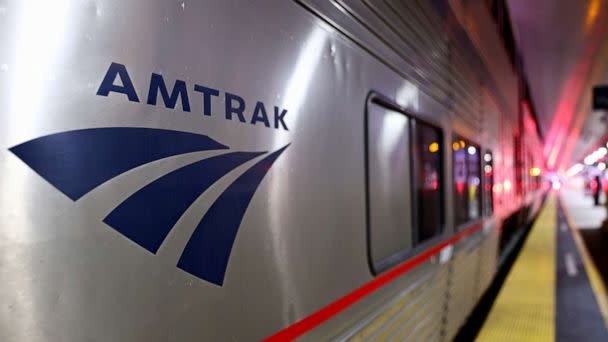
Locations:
564 48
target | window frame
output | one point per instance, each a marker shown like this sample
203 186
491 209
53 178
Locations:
375 98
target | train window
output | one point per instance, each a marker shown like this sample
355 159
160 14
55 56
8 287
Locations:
428 184
488 175
389 185
474 181
467 180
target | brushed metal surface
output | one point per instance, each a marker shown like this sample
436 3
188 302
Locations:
67 276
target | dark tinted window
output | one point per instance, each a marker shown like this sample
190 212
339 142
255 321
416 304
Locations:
428 184
488 175
474 181
460 182
467 181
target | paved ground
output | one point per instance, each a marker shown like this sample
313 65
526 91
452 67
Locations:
587 218
553 291
578 315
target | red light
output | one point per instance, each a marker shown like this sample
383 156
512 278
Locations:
460 187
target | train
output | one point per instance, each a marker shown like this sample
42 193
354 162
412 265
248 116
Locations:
229 170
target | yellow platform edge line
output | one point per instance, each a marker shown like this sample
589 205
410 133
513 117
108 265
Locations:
599 289
524 309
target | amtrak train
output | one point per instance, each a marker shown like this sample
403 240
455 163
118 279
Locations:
230 170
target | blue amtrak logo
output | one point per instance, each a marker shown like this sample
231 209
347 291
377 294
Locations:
76 162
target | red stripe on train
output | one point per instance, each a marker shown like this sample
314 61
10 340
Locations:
308 323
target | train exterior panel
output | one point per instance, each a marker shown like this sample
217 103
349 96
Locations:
226 170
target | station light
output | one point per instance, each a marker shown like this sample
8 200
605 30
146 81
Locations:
472 150
556 185
456 146
575 169
595 156
535 172
487 157
433 147
497 188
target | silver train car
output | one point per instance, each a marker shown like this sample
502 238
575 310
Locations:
229 170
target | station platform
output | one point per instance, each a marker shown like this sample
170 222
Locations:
554 291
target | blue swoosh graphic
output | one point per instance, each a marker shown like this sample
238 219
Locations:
147 216
76 162
208 250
